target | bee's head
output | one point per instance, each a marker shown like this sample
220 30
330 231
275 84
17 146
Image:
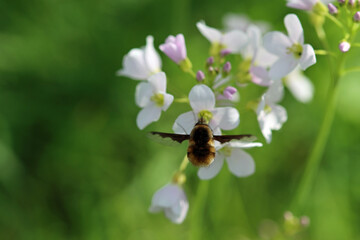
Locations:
202 120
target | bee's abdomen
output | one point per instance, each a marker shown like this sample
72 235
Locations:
201 155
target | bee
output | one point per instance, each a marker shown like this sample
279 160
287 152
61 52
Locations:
201 150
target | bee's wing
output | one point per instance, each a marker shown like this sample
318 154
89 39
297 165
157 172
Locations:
228 138
169 139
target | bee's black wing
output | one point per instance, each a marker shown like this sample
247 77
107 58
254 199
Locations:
228 138
169 139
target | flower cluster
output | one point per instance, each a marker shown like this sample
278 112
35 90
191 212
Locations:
270 61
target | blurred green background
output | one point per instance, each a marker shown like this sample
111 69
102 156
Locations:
74 165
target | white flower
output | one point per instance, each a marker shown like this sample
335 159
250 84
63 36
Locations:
300 86
152 97
140 64
291 49
202 101
172 200
240 163
233 40
305 4
270 115
241 22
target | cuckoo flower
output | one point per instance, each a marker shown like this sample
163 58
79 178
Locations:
270 115
174 48
152 97
240 163
172 200
291 49
307 5
300 86
233 41
140 64
241 22
202 101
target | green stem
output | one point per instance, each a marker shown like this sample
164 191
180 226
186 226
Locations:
198 209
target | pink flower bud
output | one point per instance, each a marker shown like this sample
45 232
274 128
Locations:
351 2
174 48
210 61
305 221
341 1
229 92
344 46
227 67
357 16
225 52
200 76
332 9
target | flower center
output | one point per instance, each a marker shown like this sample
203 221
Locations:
158 99
216 48
296 49
226 151
243 76
267 108
206 115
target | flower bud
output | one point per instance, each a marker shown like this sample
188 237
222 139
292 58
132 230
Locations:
357 16
341 2
351 3
229 92
225 52
305 221
332 9
227 67
174 48
200 76
344 46
210 61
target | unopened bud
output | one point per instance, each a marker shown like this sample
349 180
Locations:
341 1
332 9
357 16
225 52
351 3
344 46
229 92
200 76
227 67
210 61
305 221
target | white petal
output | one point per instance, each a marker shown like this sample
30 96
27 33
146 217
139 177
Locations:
264 58
152 58
240 163
253 44
134 65
294 28
245 145
300 86
234 40
177 212
302 4
276 118
226 118
308 57
211 171
185 123
165 197
212 34
201 98
158 81
236 21
275 92
168 99
143 93
147 115
276 43
260 76
283 66
261 105
261 117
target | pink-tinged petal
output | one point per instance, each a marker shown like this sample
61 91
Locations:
276 118
277 43
180 43
275 92
158 82
143 93
260 76
308 57
243 144
134 65
170 49
201 98
301 4
240 163
185 123
168 99
152 58
212 34
300 86
147 115
226 118
294 28
283 66
206 173
234 40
